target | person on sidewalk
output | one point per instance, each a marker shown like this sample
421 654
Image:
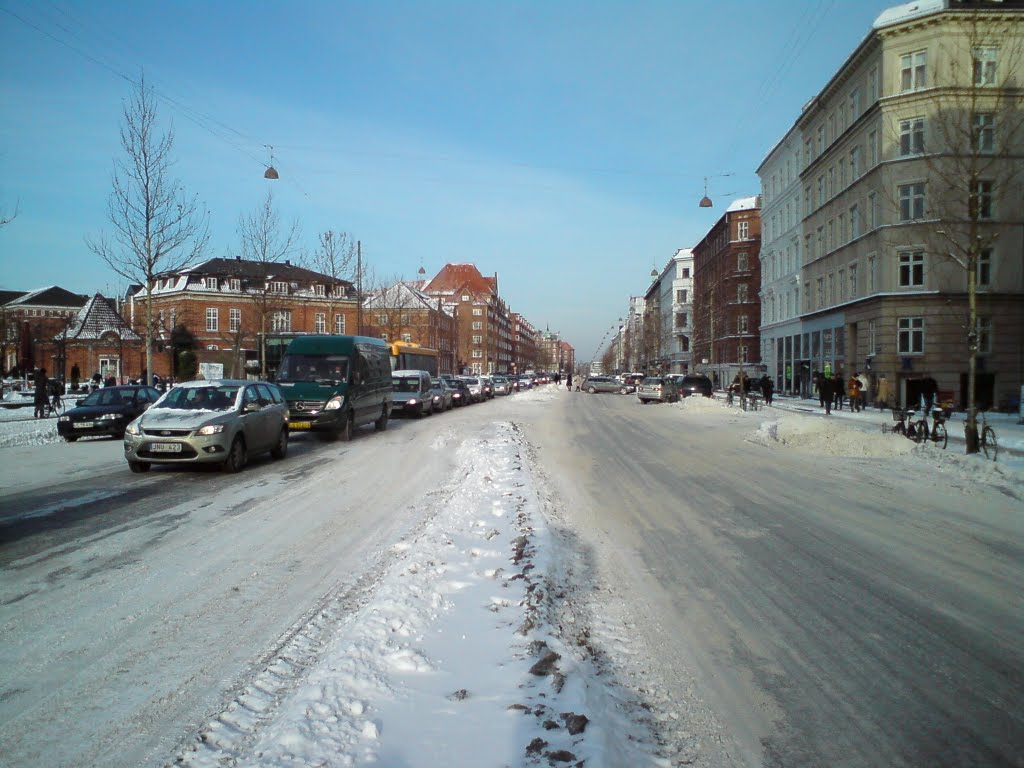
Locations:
838 389
827 391
865 388
40 396
767 389
853 391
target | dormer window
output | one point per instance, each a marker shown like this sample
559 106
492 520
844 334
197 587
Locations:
278 286
210 282
319 290
235 283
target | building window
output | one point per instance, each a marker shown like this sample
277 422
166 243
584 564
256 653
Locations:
281 321
681 319
686 273
831 288
211 347
339 324
821 191
465 297
854 163
407 338
984 335
873 149
984 132
911 201
911 269
911 136
742 351
842 284
853 281
382 319
477 311
235 284
741 324
872 274
872 210
212 319
319 290
320 322
984 60
980 203
854 222
821 292
478 339
983 274
234 320
278 287
743 230
681 296
477 353
912 71
210 282
910 335
742 261
741 293
478 326
854 104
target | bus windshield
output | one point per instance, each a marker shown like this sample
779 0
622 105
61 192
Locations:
314 368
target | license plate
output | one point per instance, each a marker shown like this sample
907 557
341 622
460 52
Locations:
83 425
301 425
166 447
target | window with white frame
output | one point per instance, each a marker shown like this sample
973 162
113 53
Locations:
319 290
983 273
854 163
872 210
911 136
210 282
382 320
984 335
743 230
235 284
477 369
174 318
281 321
841 278
478 326
912 200
910 335
821 191
465 297
980 203
872 274
913 75
477 311
984 61
742 262
741 324
211 347
234 319
686 272
741 293
681 296
911 269
853 281
854 222
339 324
278 286
212 319
478 353
872 149
478 339
742 351
320 322
407 338
984 132
855 103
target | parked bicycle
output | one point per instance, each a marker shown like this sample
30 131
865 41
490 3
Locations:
905 425
987 439
937 432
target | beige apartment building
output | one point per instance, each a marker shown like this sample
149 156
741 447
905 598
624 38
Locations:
910 185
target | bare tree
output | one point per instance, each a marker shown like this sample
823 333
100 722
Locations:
157 227
393 311
265 241
335 256
974 157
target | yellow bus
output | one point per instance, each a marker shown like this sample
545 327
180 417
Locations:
406 356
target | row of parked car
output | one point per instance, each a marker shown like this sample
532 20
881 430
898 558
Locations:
668 388
326 385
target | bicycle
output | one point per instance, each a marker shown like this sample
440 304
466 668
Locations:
937 433
914 430
987 439
54 406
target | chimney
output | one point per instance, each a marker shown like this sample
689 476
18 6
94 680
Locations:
288 262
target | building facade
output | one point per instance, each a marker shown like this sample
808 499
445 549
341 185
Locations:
402 312
31 323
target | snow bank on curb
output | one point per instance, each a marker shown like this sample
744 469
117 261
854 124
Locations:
446 661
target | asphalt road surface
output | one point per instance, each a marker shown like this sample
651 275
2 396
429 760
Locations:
823 610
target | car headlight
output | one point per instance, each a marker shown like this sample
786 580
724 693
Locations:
109 417
64 418
133 429
335 403
210 429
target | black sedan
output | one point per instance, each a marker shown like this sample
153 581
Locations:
106 411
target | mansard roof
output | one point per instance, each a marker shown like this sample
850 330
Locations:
256 270
97 317
51 296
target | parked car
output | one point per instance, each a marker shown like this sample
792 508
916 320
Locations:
595 384
502 386
658 389
106 412
695 384
412 393
487 387
460 392
476 391
209 422
441 395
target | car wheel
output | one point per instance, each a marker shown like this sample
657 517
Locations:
280 449
382 422
419 411
592 391
138 467
345 433
236 457
70 438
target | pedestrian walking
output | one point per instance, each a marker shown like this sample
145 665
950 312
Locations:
767 389
853 391
865 386
838 389
40 395
827 391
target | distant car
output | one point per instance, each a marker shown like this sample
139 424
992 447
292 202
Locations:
476 390
460 392
502 386
411 393
209 422
487 387
441 395
658 389
596 384
695 384
106 412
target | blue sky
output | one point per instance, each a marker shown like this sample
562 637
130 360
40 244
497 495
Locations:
561 145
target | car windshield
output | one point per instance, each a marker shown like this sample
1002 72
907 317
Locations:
315 368
405 384
109 396
212 398
471 381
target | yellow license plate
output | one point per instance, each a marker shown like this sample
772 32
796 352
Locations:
301 425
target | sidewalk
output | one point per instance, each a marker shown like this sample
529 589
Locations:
1009 432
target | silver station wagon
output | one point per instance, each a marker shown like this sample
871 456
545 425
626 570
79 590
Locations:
210 422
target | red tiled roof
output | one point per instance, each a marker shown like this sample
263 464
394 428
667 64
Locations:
459 277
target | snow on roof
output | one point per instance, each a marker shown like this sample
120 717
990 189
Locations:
744 204
97 317
900 13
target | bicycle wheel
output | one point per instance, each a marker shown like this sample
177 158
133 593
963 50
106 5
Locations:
920 432
989 444
900 428
939 434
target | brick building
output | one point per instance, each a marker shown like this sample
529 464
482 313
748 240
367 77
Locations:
29 323
402 312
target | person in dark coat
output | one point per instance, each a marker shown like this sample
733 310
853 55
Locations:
40 397
826 391
767 388
929 389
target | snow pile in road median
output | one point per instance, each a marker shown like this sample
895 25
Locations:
446 659
823 436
